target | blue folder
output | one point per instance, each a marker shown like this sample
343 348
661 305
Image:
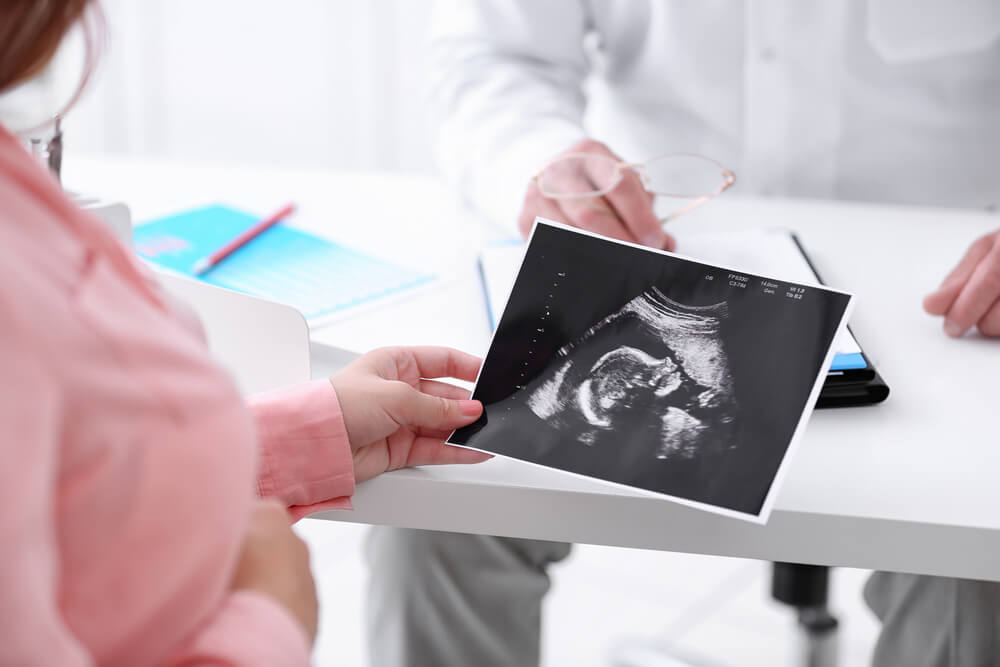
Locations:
314 275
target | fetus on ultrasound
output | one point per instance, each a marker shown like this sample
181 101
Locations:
651 381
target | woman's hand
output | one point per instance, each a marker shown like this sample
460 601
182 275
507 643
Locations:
970 295
275 561
397 416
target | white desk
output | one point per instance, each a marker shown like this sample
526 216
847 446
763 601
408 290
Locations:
911 485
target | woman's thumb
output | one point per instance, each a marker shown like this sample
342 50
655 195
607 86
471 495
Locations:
435 412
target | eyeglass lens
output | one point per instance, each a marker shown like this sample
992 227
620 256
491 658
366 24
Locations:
579 175
676 175
682 176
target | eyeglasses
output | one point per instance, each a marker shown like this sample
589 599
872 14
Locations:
676 175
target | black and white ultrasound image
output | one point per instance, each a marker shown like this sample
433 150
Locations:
649 370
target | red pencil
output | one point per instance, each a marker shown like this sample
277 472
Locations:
206 263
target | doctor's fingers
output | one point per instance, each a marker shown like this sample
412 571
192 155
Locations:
595 214
940 301
977 296
537 204
633 205
989 325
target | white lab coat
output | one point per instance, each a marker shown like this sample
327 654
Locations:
875 100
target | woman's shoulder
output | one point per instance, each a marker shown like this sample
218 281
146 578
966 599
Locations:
41 256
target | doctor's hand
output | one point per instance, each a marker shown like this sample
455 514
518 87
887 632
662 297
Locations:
970 295
397 416
625 213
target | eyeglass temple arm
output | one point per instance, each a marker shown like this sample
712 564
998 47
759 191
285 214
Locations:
729 178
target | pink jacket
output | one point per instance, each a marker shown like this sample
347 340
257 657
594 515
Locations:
129 459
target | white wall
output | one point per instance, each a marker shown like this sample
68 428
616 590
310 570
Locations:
304 82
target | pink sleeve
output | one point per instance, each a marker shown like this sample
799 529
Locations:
33 630
305 456
248 629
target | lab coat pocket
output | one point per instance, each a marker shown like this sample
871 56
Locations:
906 31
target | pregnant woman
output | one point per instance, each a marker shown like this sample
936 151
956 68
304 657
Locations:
132 530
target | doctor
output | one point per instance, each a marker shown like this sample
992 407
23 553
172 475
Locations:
870 100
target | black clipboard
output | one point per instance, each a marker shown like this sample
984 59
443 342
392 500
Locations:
849 388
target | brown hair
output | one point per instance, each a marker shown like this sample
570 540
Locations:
31 31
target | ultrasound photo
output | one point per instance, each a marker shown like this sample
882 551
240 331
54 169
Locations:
638 367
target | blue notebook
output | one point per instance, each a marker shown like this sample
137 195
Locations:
318 277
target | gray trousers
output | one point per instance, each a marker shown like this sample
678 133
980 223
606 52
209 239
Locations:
442 599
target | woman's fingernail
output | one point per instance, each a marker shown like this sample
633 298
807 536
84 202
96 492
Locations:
953 329
470 407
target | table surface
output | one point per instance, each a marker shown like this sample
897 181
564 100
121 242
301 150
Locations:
909 485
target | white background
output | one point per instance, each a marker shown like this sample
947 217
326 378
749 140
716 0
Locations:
308 83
